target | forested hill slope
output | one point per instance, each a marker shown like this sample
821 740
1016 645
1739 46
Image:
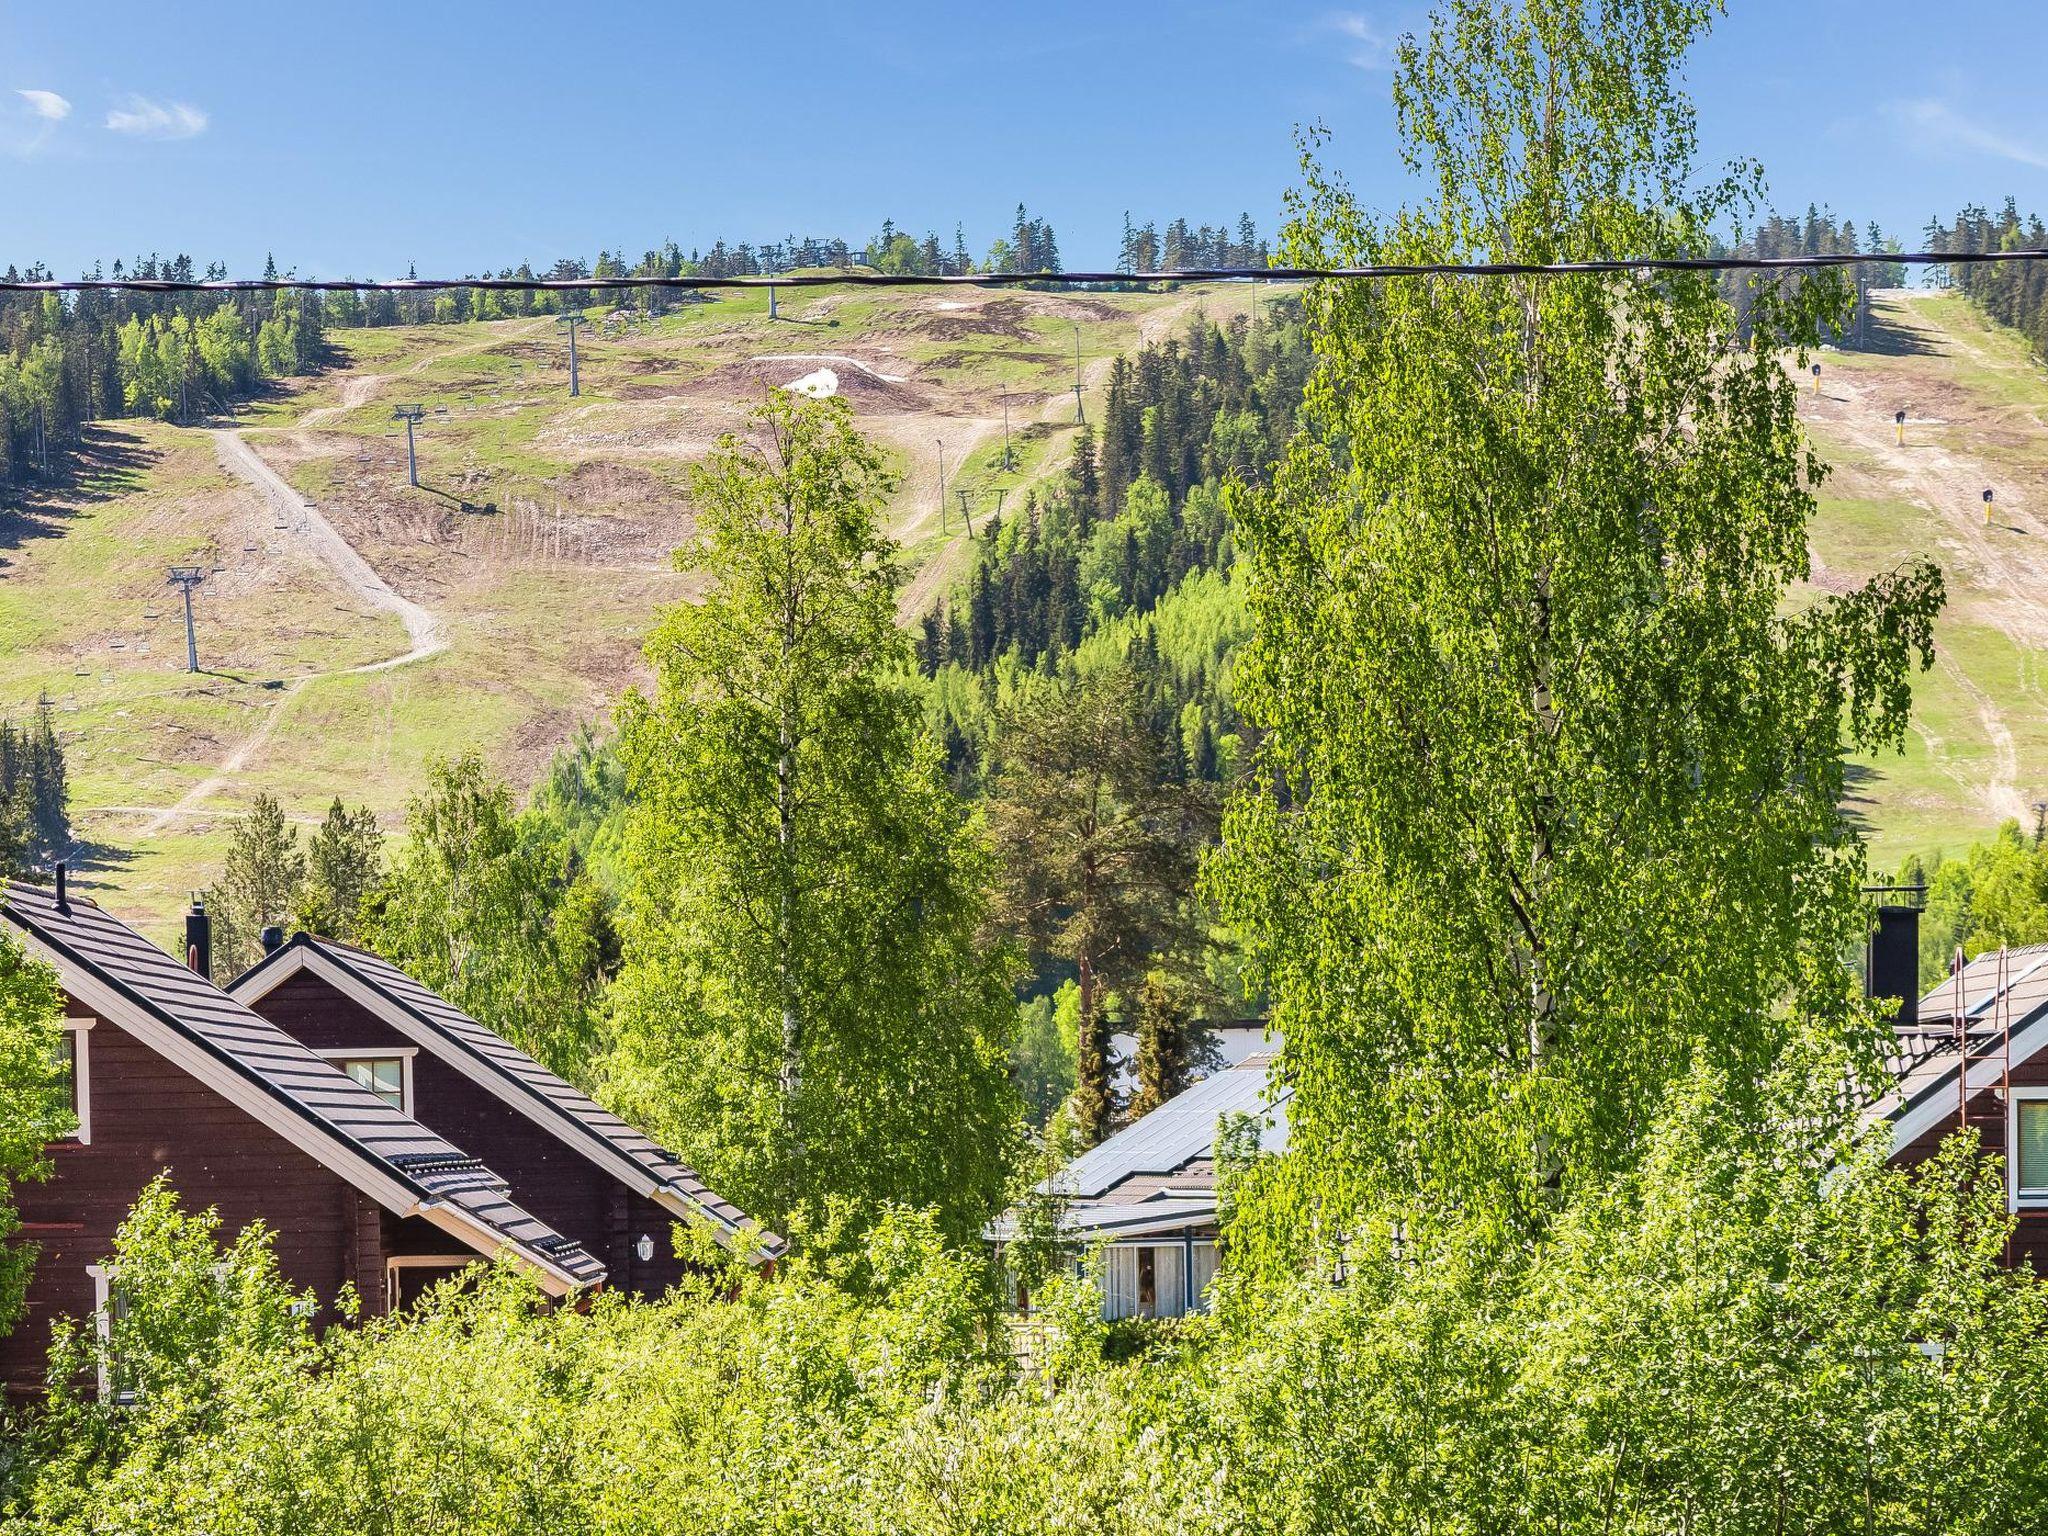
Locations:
350 625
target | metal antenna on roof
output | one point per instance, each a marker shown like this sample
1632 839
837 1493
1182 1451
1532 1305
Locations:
1960 1014
572 319
410 415
186 577
2008 1122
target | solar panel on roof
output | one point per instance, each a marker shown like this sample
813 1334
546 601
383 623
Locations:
1182 1129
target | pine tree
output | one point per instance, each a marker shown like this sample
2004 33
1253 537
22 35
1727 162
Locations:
344 862
258 886
1096 847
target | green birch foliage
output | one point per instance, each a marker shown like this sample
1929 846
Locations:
807 1011
33 1109
1742 1336
1547 803
491 911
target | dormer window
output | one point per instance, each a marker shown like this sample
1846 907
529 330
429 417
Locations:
387 1074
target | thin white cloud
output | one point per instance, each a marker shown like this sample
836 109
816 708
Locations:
148 119
1365 45
1939 124
47 105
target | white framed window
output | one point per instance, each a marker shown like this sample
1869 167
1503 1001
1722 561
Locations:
2026 1163
109 1304
1145 1279
386 1073
74 1067
398 1291
1201 1270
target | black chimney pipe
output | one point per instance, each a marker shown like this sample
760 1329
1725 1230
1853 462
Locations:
273 939
199 938
63 899
1891 962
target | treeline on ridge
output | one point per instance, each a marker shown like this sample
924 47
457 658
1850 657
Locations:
2012 293
65 361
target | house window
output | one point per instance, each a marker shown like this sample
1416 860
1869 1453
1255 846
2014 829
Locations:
109 1306
1144 1280
387 1074
74 1080
2030 1142
409 1276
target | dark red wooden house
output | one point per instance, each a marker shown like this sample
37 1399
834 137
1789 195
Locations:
1973 1051
169 1074
350 1115
573 1164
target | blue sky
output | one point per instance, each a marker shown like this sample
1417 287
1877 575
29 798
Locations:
457 135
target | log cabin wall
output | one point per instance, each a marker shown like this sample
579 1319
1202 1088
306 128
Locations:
148 1117
1988 1117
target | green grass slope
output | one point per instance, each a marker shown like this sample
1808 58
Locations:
541 604
1977 418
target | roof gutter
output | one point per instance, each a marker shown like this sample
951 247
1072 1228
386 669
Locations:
458 1223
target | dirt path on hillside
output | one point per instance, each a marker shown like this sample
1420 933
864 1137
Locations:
964 434
424 630
355 392
1935 468
354 572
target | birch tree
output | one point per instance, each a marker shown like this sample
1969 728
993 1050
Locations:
806 1009
1553 739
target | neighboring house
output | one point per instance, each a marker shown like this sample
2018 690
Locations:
1232 1042
1975 1051
576 1166
1147 1195
169 1074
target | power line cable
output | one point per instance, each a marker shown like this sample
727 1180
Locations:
1644 264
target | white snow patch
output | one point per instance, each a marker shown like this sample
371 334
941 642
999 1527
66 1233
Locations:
817 385
829 357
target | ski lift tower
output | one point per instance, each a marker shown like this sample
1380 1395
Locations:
1080 414
570 321
411 415
186 577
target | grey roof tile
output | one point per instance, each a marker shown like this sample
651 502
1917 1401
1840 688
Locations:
572 1114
